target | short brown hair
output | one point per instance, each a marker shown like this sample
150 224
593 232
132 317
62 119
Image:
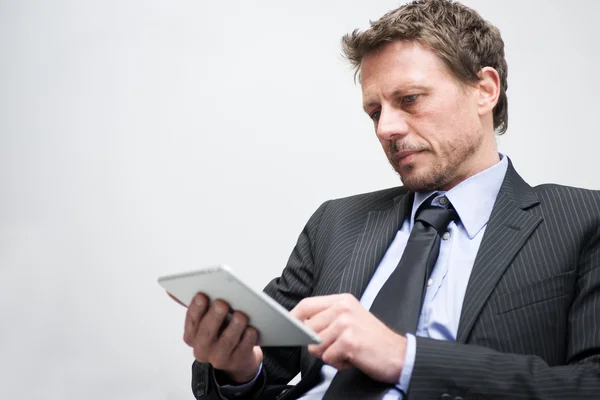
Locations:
463 40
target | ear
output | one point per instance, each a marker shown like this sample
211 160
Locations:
488 90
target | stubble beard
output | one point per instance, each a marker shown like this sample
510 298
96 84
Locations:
439 173
431 179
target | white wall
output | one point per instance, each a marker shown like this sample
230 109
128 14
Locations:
139 138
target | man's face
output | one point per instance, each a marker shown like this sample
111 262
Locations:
427 123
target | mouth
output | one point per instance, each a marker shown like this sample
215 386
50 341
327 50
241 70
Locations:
405 153
405 156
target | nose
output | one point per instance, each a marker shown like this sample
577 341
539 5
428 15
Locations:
391 124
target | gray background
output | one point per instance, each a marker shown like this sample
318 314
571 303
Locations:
141 138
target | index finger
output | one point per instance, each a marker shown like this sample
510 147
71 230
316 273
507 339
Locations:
311 306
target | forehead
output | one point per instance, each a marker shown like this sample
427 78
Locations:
399 64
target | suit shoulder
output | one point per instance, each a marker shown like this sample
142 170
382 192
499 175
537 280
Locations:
376 200
555 191
568 203
348 213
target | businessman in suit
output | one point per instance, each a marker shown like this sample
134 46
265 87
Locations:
504 299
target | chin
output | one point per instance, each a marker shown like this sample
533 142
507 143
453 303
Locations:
410 173
420 181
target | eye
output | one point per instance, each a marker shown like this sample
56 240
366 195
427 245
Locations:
409 99
375 115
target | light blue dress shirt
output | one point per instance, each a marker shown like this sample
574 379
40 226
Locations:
473 200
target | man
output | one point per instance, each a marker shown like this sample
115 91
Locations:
508 292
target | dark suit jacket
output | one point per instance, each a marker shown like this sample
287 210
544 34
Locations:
530 322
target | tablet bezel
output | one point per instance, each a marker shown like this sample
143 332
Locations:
275 325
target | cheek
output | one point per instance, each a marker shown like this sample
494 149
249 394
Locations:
442 129
427 130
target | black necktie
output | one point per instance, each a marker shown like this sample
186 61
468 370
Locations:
398 303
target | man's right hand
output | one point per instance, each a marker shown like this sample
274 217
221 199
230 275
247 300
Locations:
231 350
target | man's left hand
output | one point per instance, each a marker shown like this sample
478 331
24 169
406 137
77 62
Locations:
352 337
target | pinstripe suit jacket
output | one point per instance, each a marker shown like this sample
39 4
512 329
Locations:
530 322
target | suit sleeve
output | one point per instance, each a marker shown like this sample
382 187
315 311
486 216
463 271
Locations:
471 371
280 364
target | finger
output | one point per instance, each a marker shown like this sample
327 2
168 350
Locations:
209 329
198 306
228 340
310 306
194 314
175 298
338 355
328 336
247 342
322 320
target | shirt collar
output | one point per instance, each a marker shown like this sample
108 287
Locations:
473 199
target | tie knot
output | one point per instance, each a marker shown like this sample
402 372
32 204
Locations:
437 217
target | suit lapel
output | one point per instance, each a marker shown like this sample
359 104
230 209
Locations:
508 228
379 230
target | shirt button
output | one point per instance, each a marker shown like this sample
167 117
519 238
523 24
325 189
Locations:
446 235
429 282
443 200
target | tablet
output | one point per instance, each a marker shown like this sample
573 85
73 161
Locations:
276 327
